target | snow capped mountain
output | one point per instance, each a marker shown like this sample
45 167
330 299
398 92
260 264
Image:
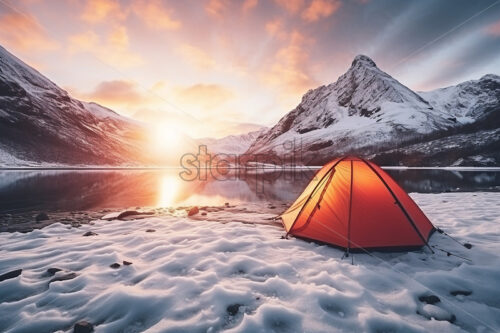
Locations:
40 124
468 101
231 144
366 111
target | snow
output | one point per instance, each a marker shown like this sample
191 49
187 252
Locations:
367 111
231 144
203 275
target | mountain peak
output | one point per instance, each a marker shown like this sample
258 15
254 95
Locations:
493 77
362 59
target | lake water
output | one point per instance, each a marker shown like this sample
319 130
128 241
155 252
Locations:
64 190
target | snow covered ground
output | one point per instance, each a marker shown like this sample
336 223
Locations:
211 273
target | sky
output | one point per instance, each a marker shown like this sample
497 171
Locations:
219 67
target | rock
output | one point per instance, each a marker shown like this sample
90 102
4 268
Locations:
115 265
130 214
431 311
64 277
233 309
193 211
150 230
53 270
429 299
226 204
89 233
272 207
460 292
41 217
83 327
468 245
10 275
126 263
204 213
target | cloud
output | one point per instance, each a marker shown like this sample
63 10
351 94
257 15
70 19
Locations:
22 32
113 51
320 9
207 96
493 29
155 15
292 6
289 70
249 5
116 92
96 11
216 7
196 56
275 28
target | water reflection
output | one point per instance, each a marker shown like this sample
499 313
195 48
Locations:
85 190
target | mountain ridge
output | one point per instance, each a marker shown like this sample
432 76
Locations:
367 111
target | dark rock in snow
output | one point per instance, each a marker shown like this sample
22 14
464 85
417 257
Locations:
89 233
460 292
53 270
42 217
193 211
64 277
226 204
10 275
115 265
83 327
233 309
429 299
150 230
204 213
126 263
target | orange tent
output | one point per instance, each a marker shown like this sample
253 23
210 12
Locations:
353 204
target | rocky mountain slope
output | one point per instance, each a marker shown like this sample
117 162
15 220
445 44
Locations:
41 124
369 113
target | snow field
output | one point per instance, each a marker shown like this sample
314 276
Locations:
205 276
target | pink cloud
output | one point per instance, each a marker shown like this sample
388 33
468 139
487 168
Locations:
320 9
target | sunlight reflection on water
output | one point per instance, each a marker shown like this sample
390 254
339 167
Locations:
87 190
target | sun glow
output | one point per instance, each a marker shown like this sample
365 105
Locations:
168 191
165 138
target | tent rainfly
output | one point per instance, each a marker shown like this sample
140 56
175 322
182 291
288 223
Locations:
353 204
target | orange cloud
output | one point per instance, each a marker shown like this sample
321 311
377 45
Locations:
493 29
114 51
117 92
249 5
216 7
320 9
197 57
207 96
292 6
100 10
22 32
275 28
290 68
155 15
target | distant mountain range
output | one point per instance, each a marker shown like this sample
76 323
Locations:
232 144
365 112
369 113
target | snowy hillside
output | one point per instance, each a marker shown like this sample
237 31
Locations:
366 111
40 124
231 144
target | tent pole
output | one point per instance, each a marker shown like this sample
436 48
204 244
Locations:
314 190
400 205
350 210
